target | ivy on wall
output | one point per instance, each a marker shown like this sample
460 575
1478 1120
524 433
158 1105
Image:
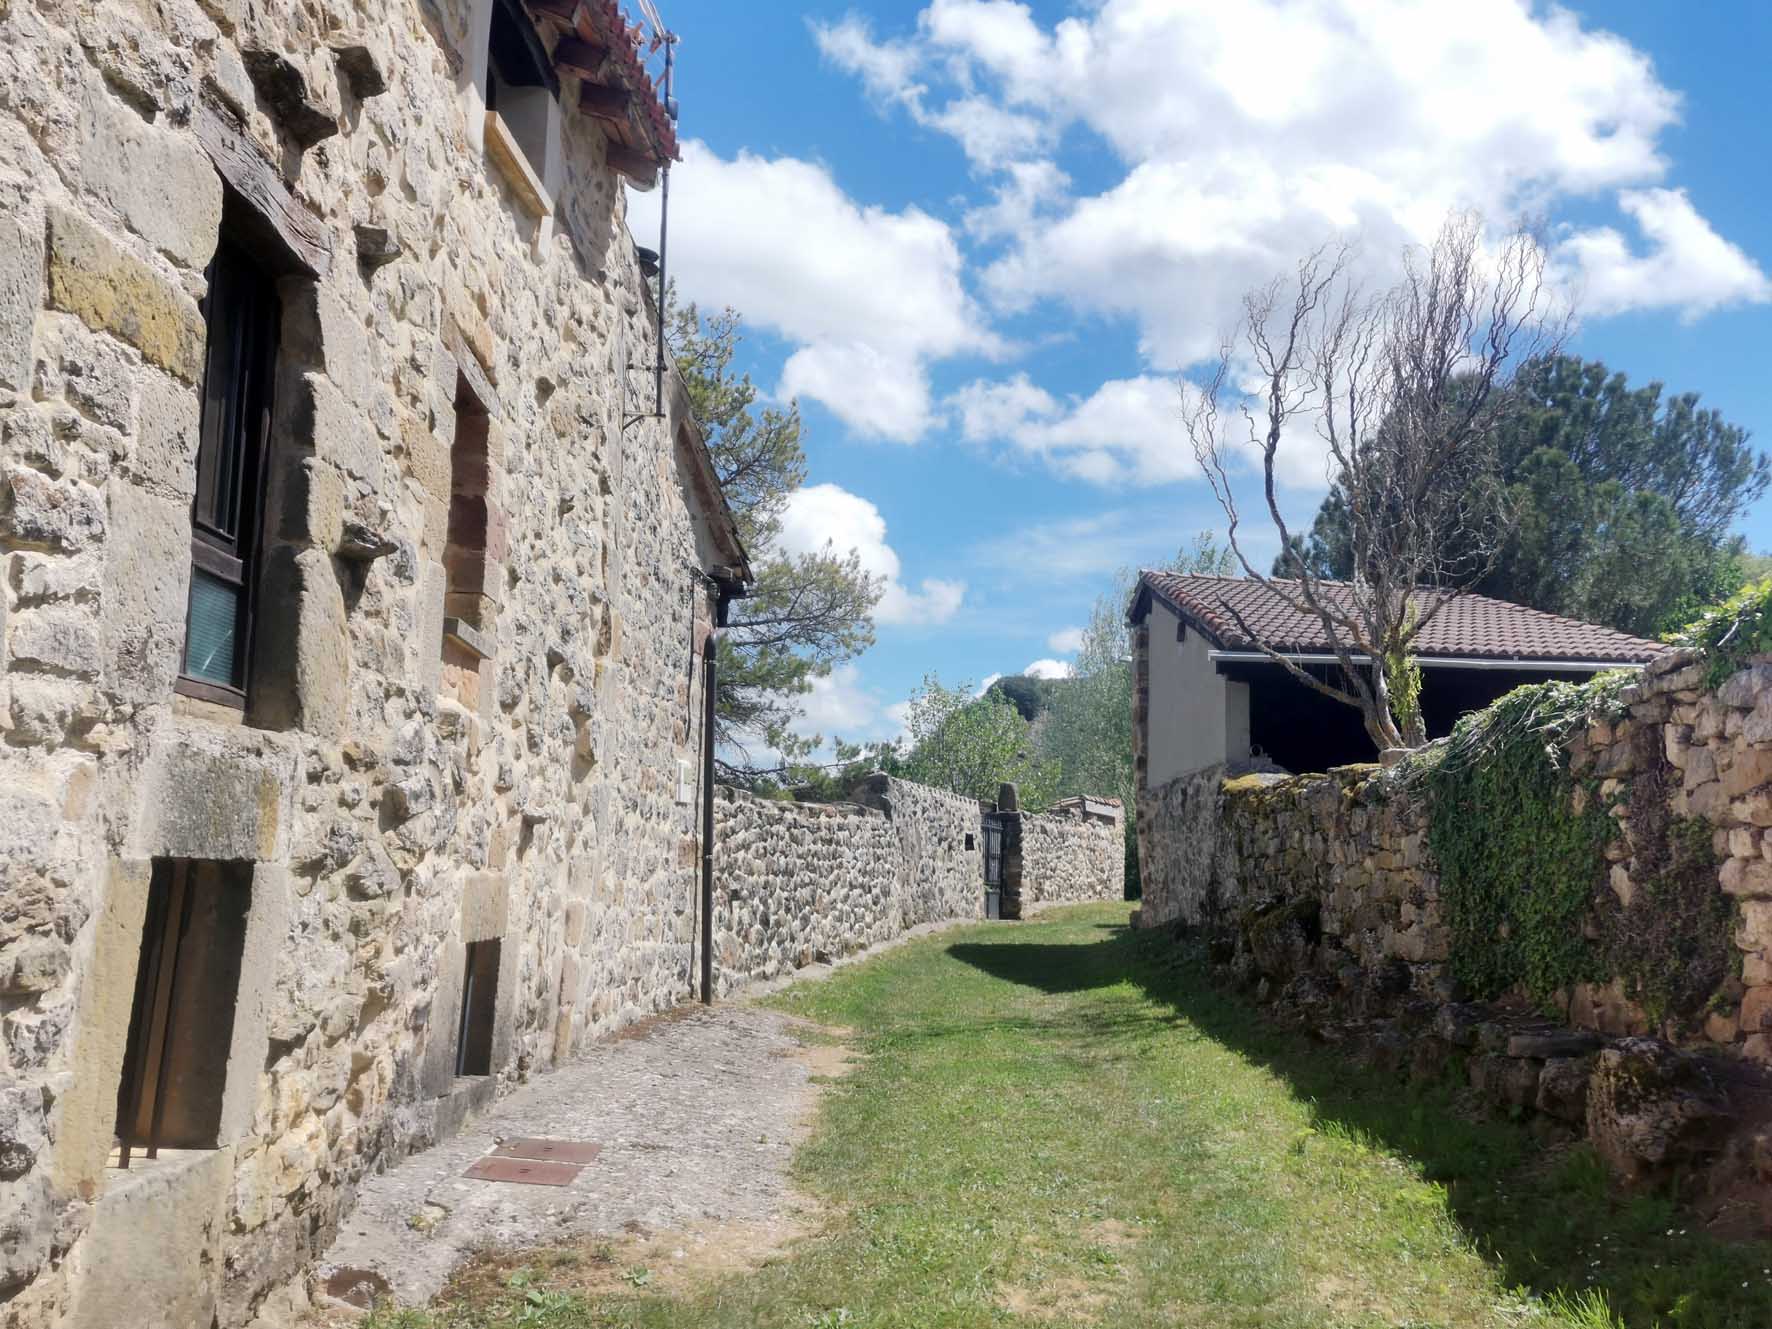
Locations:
1519 866
1730 632
1672 943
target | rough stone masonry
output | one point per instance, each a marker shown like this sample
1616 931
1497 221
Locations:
458 758
351 600
1323 892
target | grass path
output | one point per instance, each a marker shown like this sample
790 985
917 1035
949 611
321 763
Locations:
1059 1122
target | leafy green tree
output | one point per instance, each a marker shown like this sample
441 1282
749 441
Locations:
973 744
808 612
1623 501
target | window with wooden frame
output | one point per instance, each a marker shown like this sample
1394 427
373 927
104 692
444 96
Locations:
479 1008
243 317
181 1025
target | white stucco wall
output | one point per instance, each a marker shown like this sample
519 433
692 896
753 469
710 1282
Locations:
1196 717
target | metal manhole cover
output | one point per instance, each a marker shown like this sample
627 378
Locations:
361 1288
550 1151
527 1171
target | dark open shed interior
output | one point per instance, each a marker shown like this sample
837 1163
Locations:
1302 730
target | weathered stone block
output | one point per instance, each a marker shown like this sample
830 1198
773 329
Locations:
302 96
213 793
1562 1088
1650 1107
63 639
146 582
302 660
427 458
1749 877
48 513
324 421
165 454
21 294
161 182
113 291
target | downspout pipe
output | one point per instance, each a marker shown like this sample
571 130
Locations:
709 689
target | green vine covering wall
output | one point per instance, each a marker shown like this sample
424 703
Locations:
1671 944
1519 868
1730 632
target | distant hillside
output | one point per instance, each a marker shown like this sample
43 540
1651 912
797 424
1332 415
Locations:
1030 696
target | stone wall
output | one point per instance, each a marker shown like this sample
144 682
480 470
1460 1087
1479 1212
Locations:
1322 892
803 883
1071 856
393 796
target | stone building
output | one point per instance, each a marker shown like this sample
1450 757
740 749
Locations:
353 595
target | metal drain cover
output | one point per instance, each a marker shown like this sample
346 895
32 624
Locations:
527 1171
550 1151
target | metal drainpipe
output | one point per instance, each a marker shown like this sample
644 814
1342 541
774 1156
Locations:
708 689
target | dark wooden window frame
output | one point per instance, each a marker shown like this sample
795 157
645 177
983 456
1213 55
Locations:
243 314
479 1007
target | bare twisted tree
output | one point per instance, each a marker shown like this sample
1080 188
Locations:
1407 390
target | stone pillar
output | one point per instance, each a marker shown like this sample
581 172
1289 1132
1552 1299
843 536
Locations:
1009 904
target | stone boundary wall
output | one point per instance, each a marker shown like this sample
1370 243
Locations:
1322 892
1069 857
800 883
804 883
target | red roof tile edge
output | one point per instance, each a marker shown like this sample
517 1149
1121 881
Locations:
1574 640
624 41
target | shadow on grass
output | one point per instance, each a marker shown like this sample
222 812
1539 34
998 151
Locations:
1541 1210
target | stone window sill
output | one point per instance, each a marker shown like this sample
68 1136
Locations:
468 637
514 166
142 1169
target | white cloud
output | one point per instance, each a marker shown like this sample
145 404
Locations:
838 705
826 514
1047 669
1687 266
1066 641
1250 134
868 297
1093 547
985 685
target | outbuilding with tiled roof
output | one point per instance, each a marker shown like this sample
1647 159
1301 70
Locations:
1209 694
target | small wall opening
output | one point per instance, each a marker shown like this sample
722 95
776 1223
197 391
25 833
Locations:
464 559
520 89
181 1024
479 1008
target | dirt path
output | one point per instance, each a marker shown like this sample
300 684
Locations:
697 1116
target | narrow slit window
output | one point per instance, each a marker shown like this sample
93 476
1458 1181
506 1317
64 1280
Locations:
464 559
181 1023
479 1008
242 313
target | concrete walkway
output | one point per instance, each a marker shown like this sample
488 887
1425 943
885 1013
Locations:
697 1113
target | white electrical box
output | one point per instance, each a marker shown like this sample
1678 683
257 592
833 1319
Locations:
685 781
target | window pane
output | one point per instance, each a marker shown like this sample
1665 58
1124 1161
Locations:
211 631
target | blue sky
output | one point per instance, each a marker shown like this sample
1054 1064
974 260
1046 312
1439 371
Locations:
978 240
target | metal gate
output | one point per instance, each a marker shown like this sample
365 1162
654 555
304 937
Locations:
993 865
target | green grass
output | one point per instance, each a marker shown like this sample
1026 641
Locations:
1061 1122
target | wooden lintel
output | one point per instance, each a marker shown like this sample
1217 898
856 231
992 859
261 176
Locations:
637 166
288 235
604 100
575 55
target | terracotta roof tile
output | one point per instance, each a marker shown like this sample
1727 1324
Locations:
1470 627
